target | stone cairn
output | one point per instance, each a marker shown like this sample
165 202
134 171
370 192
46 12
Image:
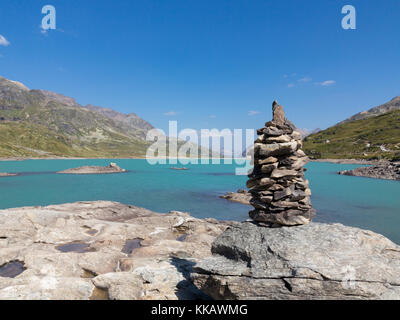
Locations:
280 193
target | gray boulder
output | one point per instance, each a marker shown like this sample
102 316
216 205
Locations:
314 261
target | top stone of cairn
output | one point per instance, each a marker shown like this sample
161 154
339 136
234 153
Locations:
280 193
278 113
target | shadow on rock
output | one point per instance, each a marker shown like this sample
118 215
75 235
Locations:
186 289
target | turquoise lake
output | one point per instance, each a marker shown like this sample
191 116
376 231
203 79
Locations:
366 203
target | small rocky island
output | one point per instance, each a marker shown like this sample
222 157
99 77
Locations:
112 168
5 174
281 254
386 171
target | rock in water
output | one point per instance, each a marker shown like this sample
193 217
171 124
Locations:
280 193
5 174
314 261
111 168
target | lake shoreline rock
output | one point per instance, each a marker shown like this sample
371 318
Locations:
101 250
386 171
348 161
112 168
241 196
313 261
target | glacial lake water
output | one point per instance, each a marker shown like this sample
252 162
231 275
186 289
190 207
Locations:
361 202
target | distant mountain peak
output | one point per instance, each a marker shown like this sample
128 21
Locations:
15 83
60 98
306 132
393 104
130 119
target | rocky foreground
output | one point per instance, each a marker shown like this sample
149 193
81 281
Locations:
112 168
386 171
101 250
107 250
314 261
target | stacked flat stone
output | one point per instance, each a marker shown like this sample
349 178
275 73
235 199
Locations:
280 193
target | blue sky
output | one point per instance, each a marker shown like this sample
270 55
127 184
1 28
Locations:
208 64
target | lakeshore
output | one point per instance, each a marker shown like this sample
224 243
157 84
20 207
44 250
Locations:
348 161
385 171
335 161
366 203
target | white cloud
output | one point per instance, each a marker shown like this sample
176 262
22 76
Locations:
170 113
4 41
290 75
212 116
46 31
290 85
327 83
305 79
253 113
43 31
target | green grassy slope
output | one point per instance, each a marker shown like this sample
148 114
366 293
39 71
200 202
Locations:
23 139
360 139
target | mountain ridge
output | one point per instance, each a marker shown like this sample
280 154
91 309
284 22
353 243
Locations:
40 123
64 127
393 104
